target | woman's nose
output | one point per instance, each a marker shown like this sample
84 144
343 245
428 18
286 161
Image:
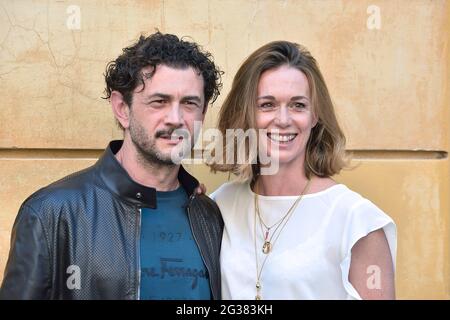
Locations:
283 118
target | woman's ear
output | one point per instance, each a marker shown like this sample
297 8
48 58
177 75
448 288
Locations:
120 109
315 120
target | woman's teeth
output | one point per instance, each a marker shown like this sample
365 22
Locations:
282 137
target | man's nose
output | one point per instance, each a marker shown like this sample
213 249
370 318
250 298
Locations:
174 115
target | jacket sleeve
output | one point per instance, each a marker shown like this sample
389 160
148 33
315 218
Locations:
27 273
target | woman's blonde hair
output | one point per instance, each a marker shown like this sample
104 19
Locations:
325 150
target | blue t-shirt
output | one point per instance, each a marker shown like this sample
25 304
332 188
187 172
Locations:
171 265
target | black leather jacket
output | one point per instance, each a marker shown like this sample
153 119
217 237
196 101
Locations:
78 238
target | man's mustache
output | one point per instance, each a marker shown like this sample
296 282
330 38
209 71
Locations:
168 132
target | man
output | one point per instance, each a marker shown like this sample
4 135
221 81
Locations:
132 226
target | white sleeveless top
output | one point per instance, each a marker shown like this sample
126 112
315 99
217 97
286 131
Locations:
311 257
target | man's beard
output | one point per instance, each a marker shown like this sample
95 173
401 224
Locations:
146 146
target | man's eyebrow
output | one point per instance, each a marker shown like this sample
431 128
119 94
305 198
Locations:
194 98
159 95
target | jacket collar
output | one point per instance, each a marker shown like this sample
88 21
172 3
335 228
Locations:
119 182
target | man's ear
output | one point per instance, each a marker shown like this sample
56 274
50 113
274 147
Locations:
120 109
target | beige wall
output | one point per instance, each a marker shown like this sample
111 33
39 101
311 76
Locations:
390 85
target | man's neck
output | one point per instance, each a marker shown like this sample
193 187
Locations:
159 176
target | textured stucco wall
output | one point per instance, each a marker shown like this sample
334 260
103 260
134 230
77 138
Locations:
389 78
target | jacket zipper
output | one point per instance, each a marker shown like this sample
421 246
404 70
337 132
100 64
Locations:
198 246
138 246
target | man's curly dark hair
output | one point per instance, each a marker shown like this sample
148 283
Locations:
124 74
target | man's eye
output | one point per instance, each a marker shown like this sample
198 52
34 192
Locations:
192 105
158 102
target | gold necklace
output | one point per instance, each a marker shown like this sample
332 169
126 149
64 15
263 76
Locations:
268 243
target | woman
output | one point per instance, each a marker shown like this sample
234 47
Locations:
296 234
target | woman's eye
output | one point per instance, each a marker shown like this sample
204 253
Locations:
299 105
266 105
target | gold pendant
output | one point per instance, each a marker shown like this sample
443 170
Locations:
258 289
266 247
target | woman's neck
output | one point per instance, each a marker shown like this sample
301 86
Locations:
290 183
284 183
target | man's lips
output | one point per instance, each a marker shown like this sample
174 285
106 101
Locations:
173 137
